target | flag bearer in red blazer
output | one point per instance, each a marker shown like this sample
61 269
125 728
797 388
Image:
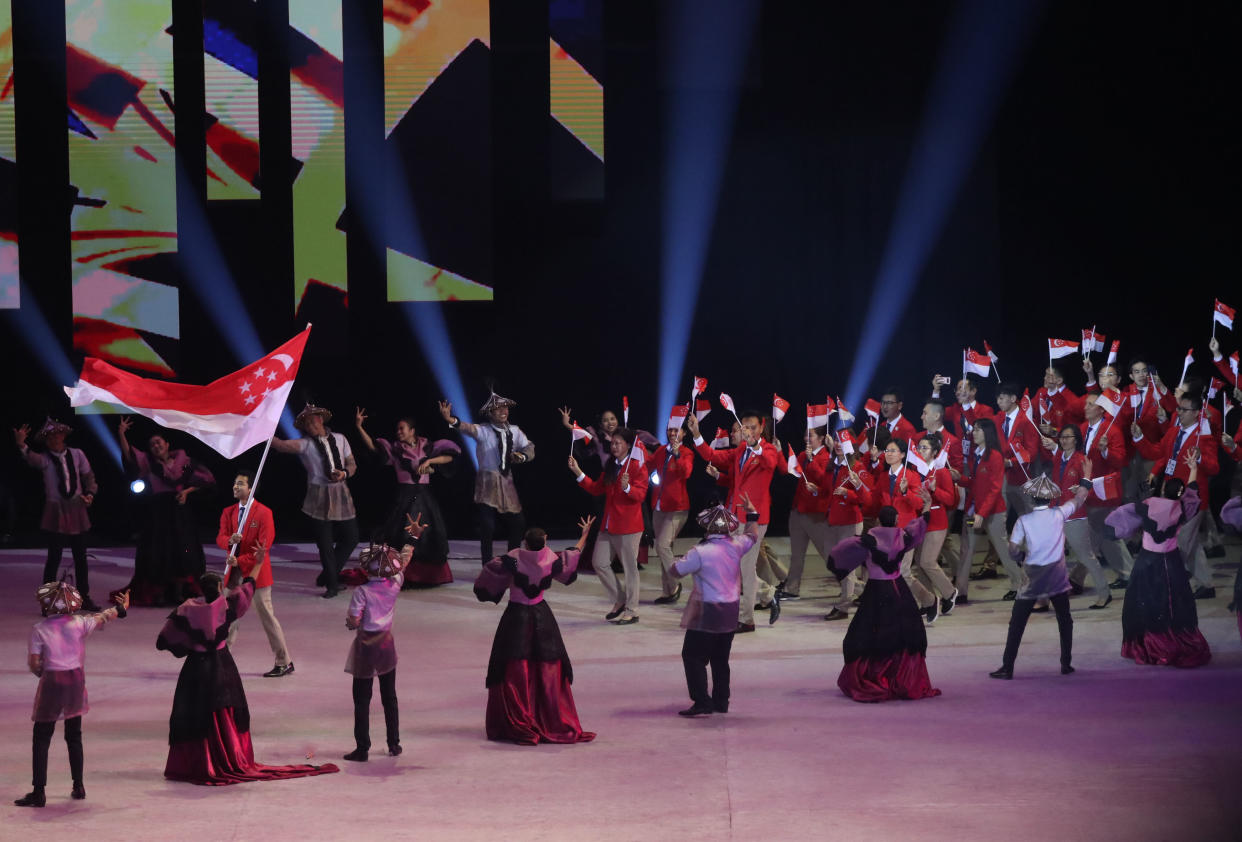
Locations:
983 479
750 468
623 485
670 505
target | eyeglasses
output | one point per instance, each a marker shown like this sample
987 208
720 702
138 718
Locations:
1186 409
889 403
1068 437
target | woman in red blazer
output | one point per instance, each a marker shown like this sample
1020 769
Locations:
940 487
983 476
897 485
1066 470
849 488
668 468
623 485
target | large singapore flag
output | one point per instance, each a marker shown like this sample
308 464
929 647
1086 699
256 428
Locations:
231 415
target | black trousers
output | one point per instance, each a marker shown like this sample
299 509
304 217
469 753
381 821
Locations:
336 540
1022 613
699 649
513 522
42 741
362 710
57 541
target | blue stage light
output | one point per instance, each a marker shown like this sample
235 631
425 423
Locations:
707 42
138 486
981 50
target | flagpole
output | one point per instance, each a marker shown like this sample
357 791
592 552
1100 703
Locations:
254 489
1019 458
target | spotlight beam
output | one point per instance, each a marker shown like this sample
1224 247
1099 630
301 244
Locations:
985 40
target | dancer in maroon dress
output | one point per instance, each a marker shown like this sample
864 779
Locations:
209 729
529 674
886 644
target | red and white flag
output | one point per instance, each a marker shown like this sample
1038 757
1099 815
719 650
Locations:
816 415
1214 387
1233 366
1190 358
941 460
1058 348
1110 401
1223 314
702 407
779 407
579 434
846 440
848 417
872 408
699 387
1112 352
727 403
991 354
638 453
230 415
1025 405
722 440
794 467
976 363
916 461
1092 340
625 409
678 416
1107 487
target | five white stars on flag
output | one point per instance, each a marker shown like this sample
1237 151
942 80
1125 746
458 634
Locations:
261 374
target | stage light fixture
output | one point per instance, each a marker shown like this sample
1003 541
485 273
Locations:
138 486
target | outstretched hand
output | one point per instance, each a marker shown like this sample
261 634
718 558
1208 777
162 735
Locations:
414 527
360 416
565 417
122 426
584 523
20 434
446 410
122 599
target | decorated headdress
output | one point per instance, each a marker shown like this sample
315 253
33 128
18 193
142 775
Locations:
58 598
495 401
311 409
1042 488
380 561
51 427
718 520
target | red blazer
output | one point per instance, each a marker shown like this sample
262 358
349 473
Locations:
259 530
670 495
1118 456
962 421
1237 451
950 443
754 480
887 492
1161 452
1145 414
944 500
623 510
1222 365
847 509
804 500
904 429
1025 438
1066 473
983 483
1058 410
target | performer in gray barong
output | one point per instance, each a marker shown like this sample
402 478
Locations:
501 445
1042 532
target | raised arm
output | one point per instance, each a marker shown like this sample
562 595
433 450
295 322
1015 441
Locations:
287 445
122 427
446 412
360 418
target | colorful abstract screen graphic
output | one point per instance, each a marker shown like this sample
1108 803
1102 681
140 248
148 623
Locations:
122 171
436 221
9 287
231 83
576 78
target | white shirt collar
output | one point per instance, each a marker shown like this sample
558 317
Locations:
967 407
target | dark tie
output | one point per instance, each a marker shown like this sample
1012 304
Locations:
892 483
745 456
1006 426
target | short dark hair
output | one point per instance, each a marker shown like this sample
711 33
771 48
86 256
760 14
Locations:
972 380
821 431
1009 388
210 584
1072 428
894 391
991 441
1057 369
535 538
902 444
887 516
750 413
1195 399
935 440
938 404
248 474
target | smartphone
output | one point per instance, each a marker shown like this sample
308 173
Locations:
944 381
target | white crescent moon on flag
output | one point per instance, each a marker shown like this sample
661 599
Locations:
285 359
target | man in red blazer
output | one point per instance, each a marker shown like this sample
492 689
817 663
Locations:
1020 444
253 559
1147 403
750 468
891 417
1055 405
808 517
669 467
1103 442
960 416
1188 440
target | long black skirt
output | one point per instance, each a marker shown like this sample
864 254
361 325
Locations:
429 565
208 682
169 557
1159 620
527 633
887 622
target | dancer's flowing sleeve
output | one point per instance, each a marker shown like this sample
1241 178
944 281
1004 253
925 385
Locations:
1190 501
688 564
914 532
492 582
1122 522
240 597
1231 514
847 555
569 565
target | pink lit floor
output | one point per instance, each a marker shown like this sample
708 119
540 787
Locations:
1116 751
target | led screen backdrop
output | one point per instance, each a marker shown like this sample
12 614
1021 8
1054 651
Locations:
231 83
576 79
122 171
9 295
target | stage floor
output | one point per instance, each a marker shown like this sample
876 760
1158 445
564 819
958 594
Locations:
1115 751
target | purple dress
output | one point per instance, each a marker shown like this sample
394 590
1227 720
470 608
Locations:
169 557
429 565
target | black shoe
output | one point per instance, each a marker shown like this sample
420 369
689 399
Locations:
742 628
1066 669
763 606
946 605
774 609
671 598
697 710
79 791
89 604
1118 584
837 614
961 600
786 596
1004 672
1215 552
34 798
720 707
627 618
614 613
358 755
394 751
985 573
278 671
1205 592
1104 605
1010 596
932 611
1075 588
330 592
320 581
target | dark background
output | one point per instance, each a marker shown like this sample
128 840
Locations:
1104 193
